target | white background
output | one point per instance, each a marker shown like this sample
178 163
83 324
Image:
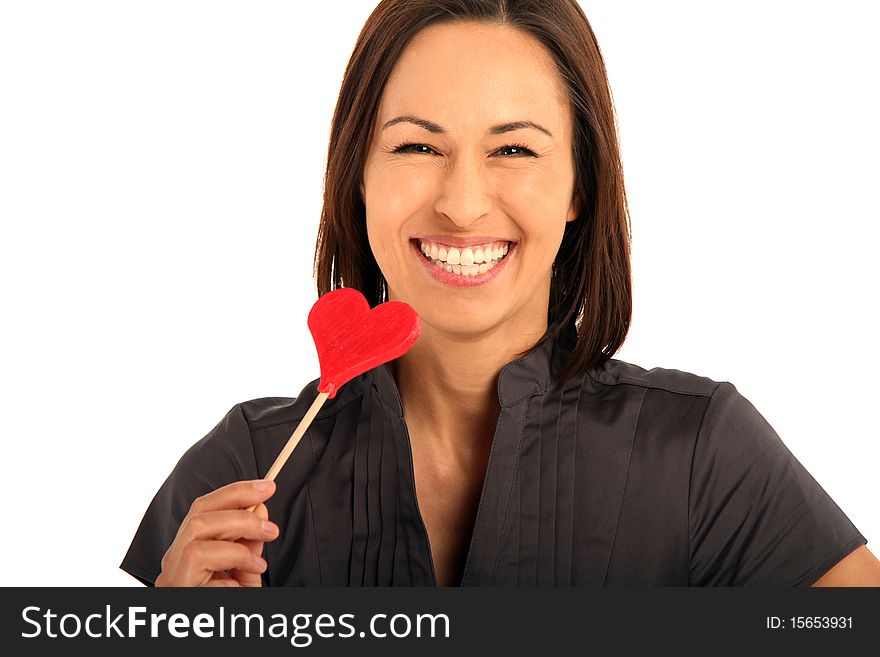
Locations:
160 188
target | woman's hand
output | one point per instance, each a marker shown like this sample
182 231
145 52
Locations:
219 542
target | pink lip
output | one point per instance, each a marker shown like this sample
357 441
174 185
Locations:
456 279
461 241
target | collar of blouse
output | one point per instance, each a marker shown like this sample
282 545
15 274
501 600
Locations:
519 379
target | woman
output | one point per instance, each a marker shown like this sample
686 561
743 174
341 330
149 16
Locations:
506 447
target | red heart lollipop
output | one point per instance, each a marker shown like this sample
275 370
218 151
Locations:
351 338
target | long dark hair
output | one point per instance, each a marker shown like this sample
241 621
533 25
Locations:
591 284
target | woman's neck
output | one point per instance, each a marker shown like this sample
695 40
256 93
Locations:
448 384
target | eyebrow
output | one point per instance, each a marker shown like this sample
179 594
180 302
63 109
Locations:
499 129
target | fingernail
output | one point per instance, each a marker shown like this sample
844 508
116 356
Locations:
269 527
260 561
263 486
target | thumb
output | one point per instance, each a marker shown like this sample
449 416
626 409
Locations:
262 511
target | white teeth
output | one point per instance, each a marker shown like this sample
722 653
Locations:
467 256
471 270
465 261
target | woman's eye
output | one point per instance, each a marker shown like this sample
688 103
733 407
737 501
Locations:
403 148
518 149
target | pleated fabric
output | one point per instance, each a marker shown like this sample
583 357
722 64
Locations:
620 476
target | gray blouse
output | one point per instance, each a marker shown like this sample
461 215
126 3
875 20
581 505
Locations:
621 476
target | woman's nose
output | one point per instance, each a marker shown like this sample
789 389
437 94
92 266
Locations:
464 195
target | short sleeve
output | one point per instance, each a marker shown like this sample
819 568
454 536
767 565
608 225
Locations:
755 515
224 455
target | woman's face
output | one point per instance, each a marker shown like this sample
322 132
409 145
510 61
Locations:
461 195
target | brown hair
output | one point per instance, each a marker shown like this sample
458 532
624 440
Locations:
591 285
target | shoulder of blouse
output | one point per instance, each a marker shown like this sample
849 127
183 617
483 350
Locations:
270 411
617 372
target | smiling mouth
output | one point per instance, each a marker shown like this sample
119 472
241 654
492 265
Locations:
464 261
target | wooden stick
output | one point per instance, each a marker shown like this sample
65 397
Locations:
298 433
